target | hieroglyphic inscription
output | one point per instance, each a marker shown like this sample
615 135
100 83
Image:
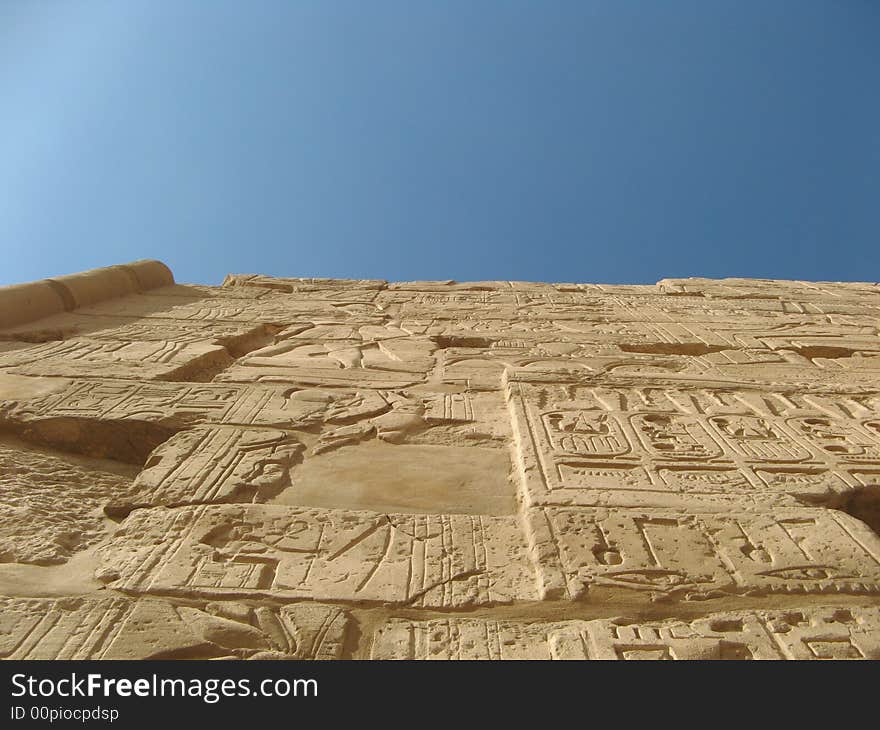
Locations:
226 550
586 441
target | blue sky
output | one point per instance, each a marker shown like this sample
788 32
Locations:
614 141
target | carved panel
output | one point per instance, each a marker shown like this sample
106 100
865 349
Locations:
116 628
228 551
596 441
577 550
801 633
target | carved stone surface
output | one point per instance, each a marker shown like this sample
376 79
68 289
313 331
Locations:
807 633
322 468
114 628
287 552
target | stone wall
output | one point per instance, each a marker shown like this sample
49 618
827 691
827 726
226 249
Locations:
324 468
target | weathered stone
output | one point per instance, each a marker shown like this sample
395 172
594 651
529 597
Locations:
224 551
116 628
806 633
487 470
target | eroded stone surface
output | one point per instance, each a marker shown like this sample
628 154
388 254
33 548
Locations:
194 471
828 633
267 550
51 505
206 465
700 555
115 628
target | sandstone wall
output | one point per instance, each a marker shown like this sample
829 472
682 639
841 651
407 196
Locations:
323 468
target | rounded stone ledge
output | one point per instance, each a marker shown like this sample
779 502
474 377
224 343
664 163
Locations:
97 285
110 282
150 274
21 303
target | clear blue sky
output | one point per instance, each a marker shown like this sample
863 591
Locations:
614 141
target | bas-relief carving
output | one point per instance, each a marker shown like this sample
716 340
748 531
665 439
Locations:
263 550
597 442
370 361
185 404
116 628
806 633
208 465
148 360
692 444
235 336
701 555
